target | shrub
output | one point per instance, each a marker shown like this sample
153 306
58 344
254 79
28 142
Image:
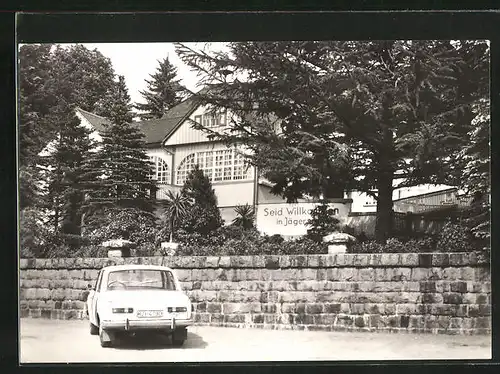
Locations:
130 224
254 246
322 222
455 237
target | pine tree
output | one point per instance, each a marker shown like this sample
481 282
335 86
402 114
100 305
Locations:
351 115
163 92
118 173
204 216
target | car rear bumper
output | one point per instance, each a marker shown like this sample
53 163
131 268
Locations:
128 325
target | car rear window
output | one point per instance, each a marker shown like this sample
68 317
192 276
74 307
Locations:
133 279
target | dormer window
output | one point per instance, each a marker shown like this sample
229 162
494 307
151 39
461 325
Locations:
212 119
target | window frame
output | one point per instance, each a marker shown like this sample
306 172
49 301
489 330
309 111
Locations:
220 166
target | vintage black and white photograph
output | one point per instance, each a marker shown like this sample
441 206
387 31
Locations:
254 201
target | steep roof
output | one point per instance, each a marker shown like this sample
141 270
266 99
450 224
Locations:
96 121
156 130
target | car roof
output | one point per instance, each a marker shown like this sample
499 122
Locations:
135 267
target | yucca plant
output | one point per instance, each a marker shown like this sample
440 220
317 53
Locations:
176 207
245 216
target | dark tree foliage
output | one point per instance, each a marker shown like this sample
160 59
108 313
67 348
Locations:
476 180
203 217
118 174
321 117
53 80
163 92
49 73
62 170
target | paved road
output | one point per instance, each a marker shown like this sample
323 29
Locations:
51 341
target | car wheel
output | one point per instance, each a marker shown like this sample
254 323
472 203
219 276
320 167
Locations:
94 330
104 343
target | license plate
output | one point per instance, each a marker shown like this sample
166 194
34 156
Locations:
149 313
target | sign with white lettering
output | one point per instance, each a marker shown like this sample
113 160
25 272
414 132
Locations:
290 219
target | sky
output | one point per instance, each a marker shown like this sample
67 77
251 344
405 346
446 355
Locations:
136 61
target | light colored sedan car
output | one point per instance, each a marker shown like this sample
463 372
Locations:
130 298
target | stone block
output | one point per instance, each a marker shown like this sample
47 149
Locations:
359 321
431 298
241 261
288 307
288 297
231 308
380 275
283 285
270 318
306 274
452 298
366 274
201 317
258 262
347 274
212 261
427 286
375 321
258 318
392 259
344 320
389 309
272 262
478 310
332 308
315 308
216 318
482 274
481 323
225 262
452 274
214 308
234 318
357 308
313 261
482 299
269 308
333 274
409 259
325 319
419 274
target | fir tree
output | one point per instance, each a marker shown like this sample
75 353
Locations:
204 216
163 92
118 173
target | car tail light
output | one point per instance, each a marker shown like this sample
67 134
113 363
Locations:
123 310
176 309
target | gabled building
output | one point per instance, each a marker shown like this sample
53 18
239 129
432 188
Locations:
175 147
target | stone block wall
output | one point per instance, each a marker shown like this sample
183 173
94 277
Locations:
435 293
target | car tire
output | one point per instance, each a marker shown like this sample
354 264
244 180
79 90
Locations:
104 343
94 330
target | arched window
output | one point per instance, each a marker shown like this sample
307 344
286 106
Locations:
218 166
160 170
